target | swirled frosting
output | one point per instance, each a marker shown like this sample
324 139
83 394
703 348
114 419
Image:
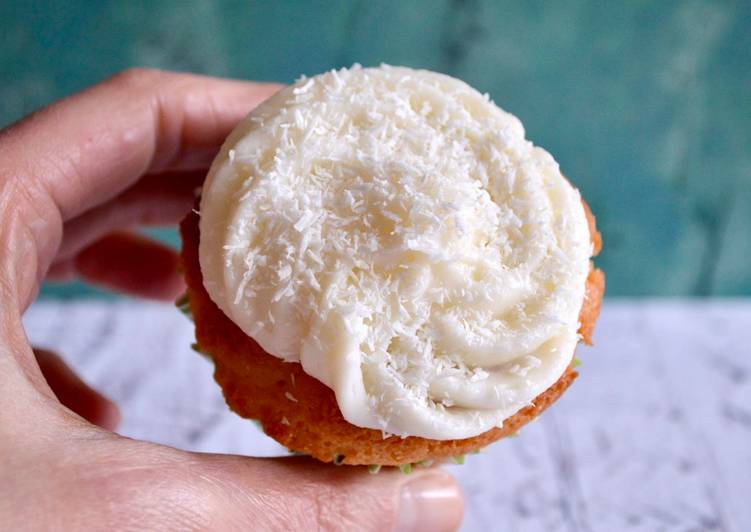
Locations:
393 231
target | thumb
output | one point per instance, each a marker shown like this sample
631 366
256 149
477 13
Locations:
296 493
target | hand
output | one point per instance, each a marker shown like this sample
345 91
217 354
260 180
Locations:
75 179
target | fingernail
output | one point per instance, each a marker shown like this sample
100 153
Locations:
432 502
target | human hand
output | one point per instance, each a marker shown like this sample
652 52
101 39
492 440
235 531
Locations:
76 179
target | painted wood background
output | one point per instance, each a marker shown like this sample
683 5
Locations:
646 105
655 434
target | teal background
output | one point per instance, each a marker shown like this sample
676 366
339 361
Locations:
646 105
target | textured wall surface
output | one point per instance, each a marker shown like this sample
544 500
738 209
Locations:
646 105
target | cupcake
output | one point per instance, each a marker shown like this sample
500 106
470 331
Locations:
384 271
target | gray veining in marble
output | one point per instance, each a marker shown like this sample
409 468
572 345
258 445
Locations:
654 435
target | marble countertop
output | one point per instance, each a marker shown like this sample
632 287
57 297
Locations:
654 435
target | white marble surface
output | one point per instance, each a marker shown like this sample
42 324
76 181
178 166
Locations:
654 435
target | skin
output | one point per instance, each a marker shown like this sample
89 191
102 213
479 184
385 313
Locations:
77 178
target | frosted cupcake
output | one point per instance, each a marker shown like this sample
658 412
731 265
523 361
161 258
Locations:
386 272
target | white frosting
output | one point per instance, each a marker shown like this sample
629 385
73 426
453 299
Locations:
394 232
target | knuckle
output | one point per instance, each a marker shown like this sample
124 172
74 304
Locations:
160 500
137 76
152 493
337 508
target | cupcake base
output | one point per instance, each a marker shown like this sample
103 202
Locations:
302 414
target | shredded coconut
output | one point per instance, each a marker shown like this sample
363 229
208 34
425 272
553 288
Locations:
394 232
290 397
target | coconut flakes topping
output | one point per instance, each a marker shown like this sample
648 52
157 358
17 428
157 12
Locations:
394 232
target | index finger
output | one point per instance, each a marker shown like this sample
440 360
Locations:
91 146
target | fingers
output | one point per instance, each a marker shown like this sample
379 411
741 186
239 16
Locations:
118 483
298 493
83 151
161 199
62 271
132 264
75 394
88 148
